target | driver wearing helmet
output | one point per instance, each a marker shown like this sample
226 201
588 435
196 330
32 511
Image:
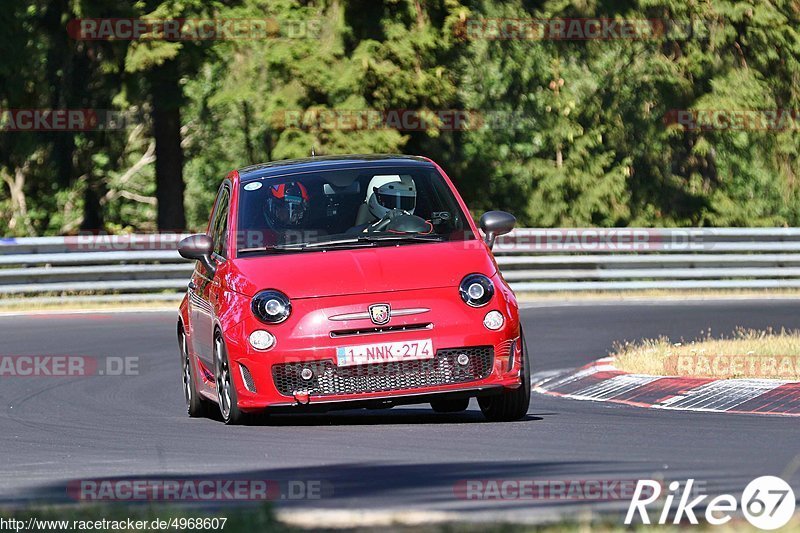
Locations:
400 194
387 197
286 205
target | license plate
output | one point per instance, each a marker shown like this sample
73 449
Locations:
385 352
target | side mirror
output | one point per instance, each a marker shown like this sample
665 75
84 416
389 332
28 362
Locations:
198 248
496 223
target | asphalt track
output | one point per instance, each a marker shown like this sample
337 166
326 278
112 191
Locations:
55 429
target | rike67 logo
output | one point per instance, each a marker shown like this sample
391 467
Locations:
768 502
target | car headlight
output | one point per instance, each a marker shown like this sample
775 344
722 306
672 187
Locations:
476 290
272 307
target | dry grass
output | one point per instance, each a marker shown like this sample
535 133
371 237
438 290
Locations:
747 354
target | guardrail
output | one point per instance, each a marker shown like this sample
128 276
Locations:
130 267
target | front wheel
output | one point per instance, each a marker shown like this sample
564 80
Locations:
226 390
511 404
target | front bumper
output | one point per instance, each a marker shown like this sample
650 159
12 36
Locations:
271 379
381 402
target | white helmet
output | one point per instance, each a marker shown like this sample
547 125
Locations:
394 193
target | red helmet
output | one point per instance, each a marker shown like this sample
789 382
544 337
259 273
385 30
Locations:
286 205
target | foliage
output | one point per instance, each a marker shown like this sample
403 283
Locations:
573 133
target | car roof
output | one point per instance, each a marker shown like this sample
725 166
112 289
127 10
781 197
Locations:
332 162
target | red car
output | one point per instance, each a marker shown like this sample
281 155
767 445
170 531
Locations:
343 282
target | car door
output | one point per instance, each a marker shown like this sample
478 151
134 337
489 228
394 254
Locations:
207 285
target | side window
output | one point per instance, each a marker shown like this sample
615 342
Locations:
219 226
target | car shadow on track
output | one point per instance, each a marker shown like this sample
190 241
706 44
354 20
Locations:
376 417
429 485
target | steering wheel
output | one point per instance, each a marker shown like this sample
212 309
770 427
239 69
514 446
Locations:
400 221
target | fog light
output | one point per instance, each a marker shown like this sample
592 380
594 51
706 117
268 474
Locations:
462 359
262 340
493 320
306 374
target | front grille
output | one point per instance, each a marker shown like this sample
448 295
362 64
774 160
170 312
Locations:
328 379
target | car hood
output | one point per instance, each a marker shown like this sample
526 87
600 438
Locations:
362 270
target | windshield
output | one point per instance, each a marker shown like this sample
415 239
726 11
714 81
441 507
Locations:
348 208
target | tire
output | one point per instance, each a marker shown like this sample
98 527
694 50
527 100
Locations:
195 406
450 406
512 404
226 390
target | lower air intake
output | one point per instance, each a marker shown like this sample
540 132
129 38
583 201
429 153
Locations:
329 379
247 378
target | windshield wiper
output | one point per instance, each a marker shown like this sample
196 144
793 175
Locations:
321 244
279 248
416 237
359 241
300 246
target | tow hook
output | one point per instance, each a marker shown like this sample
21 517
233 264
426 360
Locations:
302 398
